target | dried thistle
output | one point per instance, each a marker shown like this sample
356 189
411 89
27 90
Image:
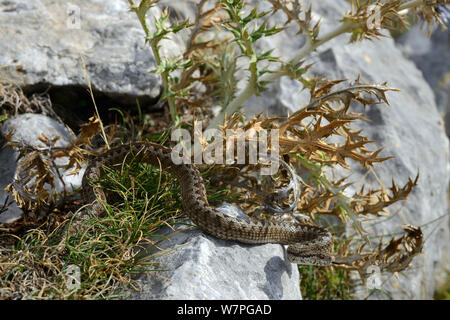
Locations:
396 256
41 167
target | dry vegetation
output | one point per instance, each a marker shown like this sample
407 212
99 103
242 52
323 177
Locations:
35 251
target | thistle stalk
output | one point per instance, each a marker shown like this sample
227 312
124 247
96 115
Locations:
310 45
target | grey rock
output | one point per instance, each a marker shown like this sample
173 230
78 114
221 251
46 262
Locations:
7 172
232 211
194 265
42 43
26 129
432 57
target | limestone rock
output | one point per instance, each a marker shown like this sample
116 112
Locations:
432 57
26 129
194 265
42 43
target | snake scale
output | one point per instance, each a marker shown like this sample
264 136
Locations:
307 244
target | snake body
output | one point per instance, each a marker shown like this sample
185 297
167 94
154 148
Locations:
307 244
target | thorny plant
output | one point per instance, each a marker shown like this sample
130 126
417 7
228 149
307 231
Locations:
39 169
14 102
36 250
222 42
305 136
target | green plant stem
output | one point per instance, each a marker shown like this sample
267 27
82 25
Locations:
341 200
250 89
158 60
165 81
310 46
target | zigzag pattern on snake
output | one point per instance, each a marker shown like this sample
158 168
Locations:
307 244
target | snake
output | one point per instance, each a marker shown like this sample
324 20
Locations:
307 244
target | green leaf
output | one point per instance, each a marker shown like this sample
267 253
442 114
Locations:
180 26
145 5
251 16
